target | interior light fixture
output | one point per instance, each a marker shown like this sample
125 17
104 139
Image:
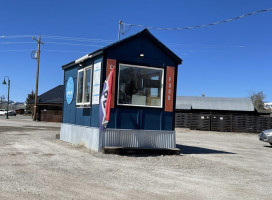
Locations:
141 55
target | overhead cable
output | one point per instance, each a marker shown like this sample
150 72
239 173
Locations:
17 42
199 26
86 45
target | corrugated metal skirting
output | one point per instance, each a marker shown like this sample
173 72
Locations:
139 138
94 139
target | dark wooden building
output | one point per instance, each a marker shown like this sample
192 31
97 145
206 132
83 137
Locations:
49 105
220 114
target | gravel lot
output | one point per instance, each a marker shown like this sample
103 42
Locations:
34 165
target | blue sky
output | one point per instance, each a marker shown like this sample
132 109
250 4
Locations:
226 60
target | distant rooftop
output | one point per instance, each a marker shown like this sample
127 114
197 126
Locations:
214 103
53 96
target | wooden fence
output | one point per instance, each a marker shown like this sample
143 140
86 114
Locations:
223 122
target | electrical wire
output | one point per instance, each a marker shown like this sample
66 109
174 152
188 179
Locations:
10 50
58 38
72 44
15 36
47 50
199 26
61 51
17 42
76 39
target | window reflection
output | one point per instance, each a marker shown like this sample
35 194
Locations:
140 86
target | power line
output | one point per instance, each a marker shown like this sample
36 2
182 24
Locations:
10 50
17 42
77 39
61 51
58 38
86 45
199 26
47 50
16 36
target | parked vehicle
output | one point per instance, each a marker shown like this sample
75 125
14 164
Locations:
10 112
266 136
3 112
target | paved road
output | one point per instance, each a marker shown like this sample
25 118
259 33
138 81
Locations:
34 165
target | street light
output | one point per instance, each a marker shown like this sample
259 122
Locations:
4 83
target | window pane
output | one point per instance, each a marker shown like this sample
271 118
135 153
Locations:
79 87
87 86
140 86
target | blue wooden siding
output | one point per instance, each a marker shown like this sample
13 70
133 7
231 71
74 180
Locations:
129 117
69 111
153 56
76 115
124 117
137 118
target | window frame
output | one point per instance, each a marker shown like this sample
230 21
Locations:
146 67
84 104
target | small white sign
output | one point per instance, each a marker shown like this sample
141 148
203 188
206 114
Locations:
96 83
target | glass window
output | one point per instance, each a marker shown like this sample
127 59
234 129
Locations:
87 86
84 79
140 86
80 86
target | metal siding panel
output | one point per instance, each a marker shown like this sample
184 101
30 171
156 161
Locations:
139 138
80 135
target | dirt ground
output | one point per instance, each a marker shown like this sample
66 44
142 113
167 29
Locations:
213 165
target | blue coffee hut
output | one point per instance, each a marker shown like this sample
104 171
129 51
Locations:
143 95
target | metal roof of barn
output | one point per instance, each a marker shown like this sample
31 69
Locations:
145 33
214 103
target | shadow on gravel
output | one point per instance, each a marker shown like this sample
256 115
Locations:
140 152
199 150
268 146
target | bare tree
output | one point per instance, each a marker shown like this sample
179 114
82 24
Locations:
258 100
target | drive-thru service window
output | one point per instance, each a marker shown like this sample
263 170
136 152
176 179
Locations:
140 86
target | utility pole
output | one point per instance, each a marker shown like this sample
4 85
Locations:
37 56
119 31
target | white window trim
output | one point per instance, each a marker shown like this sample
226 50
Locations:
140 66
77 86
84 104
